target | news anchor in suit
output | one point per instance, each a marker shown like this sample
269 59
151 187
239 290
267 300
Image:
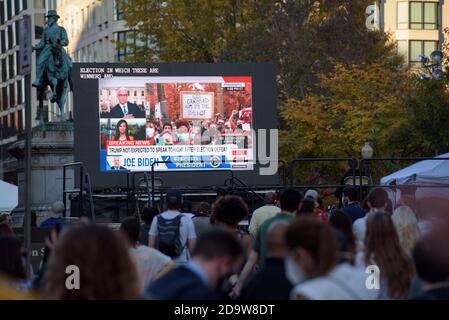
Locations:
125 109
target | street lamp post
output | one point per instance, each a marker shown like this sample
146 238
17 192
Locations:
433 66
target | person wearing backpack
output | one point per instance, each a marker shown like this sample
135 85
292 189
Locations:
171 232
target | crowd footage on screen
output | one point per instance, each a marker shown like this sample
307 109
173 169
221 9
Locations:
127 121
201 251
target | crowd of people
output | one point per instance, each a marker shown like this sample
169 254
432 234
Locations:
291 250
184 132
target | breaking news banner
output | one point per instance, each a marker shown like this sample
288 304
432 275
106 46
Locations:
175 123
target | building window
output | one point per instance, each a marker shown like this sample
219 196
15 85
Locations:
417 15
2 42
11 66
122 53
10 37
4 70
5 98
2 14
20 120
10 9
12 95
118 9
418 47
17 6
423 15
16 32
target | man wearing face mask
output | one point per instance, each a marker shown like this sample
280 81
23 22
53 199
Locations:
216 256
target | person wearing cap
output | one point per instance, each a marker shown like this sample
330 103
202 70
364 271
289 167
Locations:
54 38
187 235
313 195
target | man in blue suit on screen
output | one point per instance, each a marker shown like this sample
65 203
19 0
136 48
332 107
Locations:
124 108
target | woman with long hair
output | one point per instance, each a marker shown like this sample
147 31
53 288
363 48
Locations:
104 265
121 131
406 224
382 248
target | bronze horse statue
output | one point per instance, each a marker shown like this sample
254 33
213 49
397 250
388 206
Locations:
60 83
53 65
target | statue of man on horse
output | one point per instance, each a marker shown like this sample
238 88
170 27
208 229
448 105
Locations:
53 64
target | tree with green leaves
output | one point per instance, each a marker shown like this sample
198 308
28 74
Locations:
181 30
356 103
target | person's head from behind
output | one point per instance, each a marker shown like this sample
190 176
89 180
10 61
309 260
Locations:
431 257
378 199
382 244
312 246
350 194
11 265
341 222
186 206
204 208
406 224
5 219
229 210
306 207
270 198
276 246
130 227
148 214
219 253
173 199
290 199
6 231
106 270
58 208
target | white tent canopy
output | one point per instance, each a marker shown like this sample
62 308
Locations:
8 197
423 172
426 172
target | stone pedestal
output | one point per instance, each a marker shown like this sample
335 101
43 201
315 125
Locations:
52 147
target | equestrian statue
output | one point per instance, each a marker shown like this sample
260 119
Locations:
53 65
